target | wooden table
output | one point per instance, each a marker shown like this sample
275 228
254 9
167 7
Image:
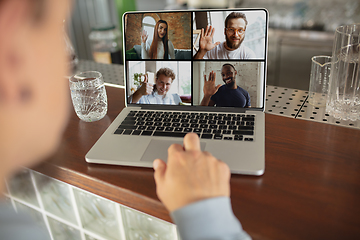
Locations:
310 189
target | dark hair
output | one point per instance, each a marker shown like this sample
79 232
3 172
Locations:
235 15
230 65
154 44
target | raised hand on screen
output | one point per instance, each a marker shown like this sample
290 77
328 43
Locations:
146 87
209 85
205 42
144 36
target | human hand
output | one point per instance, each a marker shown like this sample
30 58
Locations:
146 87
190 175
205 42
209 85
144 36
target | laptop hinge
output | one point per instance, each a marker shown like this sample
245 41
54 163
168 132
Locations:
194 108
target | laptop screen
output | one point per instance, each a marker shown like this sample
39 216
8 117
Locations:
214 58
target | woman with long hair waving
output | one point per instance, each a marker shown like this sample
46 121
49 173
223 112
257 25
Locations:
160 47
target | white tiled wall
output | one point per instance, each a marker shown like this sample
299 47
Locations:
71 213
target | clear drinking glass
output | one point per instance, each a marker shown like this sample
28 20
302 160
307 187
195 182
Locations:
344 90
319 80
88 95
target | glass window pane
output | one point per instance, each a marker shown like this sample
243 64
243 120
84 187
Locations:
149 20
149 25
134 67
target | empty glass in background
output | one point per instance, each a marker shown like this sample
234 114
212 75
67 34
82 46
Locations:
319 80
344 89
88 95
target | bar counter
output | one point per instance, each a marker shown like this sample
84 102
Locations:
310 189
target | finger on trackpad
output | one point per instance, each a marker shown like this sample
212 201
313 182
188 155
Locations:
159 149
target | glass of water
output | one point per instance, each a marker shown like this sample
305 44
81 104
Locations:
343 101
88 95
319 80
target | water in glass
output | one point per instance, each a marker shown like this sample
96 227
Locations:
343 100
88 96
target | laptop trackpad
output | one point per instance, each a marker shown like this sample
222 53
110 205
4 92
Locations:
159 149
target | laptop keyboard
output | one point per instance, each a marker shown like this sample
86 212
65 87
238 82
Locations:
235 127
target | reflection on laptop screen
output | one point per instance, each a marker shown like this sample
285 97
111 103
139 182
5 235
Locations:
196 58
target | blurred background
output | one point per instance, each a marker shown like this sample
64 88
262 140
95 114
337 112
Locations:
298 29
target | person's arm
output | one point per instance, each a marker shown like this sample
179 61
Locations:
195 187
144 45
19 225
177 99
171 50
211 218
248 101
200 54
205 42
206 101
209 89
145 89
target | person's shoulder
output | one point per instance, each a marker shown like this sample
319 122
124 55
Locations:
242 90
145 98
219 93
176 98
246 52
218 48
222 87
244 48
152 94
147 44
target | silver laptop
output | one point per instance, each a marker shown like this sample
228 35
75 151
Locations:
201 71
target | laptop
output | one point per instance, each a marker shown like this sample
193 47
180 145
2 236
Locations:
201 71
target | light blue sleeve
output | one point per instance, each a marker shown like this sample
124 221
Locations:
20 226
209 219
176 98
143 100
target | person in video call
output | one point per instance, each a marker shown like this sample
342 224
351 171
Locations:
227 95
193 185
232 48
160 47
157 93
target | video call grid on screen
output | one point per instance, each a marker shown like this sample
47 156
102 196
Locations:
246 66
